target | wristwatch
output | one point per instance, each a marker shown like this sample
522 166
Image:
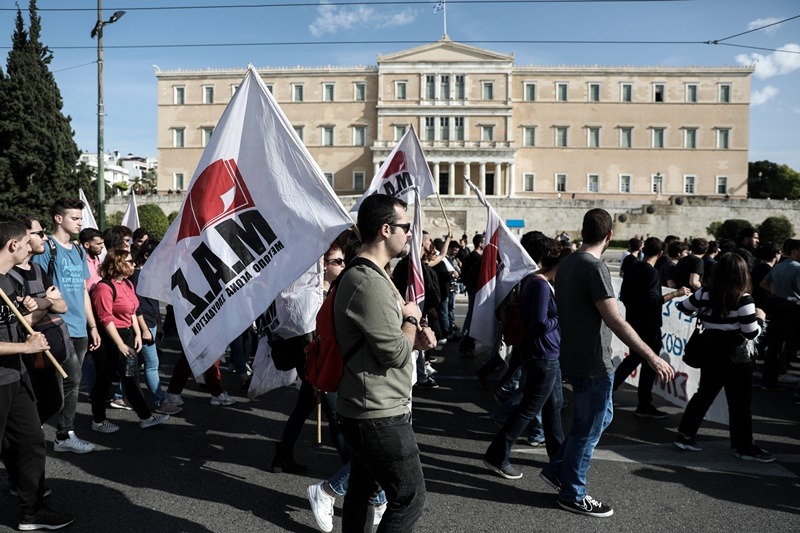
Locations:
411 320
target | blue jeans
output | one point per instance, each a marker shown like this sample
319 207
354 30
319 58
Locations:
383 454
150 355
593 411
444 316
542 395
340 480
504 411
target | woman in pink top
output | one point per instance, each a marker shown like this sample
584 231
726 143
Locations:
114 301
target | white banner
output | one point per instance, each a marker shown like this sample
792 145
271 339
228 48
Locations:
88 217
131 217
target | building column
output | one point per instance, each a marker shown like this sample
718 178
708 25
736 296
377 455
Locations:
451 182
377 168
482 178
512 180
467 190
497 180
436 176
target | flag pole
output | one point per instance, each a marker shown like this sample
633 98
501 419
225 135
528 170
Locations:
444 17
447 220
319 417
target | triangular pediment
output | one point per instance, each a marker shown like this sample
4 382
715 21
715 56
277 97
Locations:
445 51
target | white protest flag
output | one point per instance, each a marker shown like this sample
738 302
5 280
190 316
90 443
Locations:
88 217
505 262
415 288
257 214
131 217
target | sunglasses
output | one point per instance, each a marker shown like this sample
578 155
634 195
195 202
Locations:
40 233
338 261
405 227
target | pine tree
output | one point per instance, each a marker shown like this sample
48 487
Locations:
38 153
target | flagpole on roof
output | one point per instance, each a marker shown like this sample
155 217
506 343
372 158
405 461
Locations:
444 18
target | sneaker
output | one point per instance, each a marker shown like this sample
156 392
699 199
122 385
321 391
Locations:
168 408
756 453
685 443
154 420
379 510
788 379
222 399
121 403
430 370
104 427
321 506
648 411
72 444
45 519
429 384
534 442
174 399
507 472
552 482
46 494
588 506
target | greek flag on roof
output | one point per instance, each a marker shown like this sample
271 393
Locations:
438 7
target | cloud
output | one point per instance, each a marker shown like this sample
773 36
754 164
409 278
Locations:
333 19
764 95
772 30
774 64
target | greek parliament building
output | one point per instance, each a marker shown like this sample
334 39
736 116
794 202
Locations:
642 134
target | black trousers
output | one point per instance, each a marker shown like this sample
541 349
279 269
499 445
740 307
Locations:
110 365
647 376
49 390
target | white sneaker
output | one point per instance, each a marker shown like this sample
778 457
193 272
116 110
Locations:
174 399
72 444
379 510
222 399
154 420
104 427
321 506
430 370
788 379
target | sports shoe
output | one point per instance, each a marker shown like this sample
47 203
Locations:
174 399
507 472
45 519
321 506
429 384
788 379
685 443
430 370
552 482
104 427
121 403
534 442
648 411
756 453
379 510
45 494
154 420
222 399
587 507
168 408
72 444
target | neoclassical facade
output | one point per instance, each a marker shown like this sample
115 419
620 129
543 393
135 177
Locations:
516 131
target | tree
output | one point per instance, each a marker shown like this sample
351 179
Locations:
730 228
153 219
37 151
766 179
775 230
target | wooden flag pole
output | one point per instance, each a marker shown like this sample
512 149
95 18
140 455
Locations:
30 331
447 220
319 417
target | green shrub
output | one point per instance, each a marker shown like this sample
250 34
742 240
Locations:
775 230
114 219
153 219
730 228
172 216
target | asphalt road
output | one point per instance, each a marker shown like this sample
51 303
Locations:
208 469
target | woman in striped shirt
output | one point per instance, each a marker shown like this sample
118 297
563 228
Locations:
730 318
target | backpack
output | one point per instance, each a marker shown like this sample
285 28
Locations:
324 361
514 328
51 264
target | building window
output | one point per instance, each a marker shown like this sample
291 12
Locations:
657 183
179 95
178 137
208 94
327 135
488 90
444 128
299 131
444 87
691 93
626 92
659 92
461 87
561 183
561 136
297 93
359 135
360 92
399 131
458 128
527 182
593 140
329 177
561 92
688 184
722 185
658 137
624 183
430 87
724 94
177 181
205 136
400 90
530 92
358 181
626 137
270 87
327 92
593 183
723 139
529 137
690 138
487 133
594 92
430 128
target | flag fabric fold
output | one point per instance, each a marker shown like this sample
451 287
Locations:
88 217
131 217
438 7
258 213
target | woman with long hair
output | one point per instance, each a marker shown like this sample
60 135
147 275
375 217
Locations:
730 320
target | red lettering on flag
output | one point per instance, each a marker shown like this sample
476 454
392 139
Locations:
398 164
489 260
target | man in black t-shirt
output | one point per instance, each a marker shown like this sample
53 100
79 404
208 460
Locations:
691 268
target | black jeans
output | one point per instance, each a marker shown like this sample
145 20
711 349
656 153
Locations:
383 454
48 387
647 376
783 339
109 364
306 402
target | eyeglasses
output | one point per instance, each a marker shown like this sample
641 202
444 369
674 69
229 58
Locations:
338 261
40 233
405 227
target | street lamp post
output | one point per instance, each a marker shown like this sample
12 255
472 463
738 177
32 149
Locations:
97 31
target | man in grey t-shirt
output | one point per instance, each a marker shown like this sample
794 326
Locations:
588 314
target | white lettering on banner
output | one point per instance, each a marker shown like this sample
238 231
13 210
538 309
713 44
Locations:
675 333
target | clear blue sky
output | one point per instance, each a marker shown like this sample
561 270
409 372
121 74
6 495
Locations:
130 85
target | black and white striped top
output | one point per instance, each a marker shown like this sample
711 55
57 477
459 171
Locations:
743 319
